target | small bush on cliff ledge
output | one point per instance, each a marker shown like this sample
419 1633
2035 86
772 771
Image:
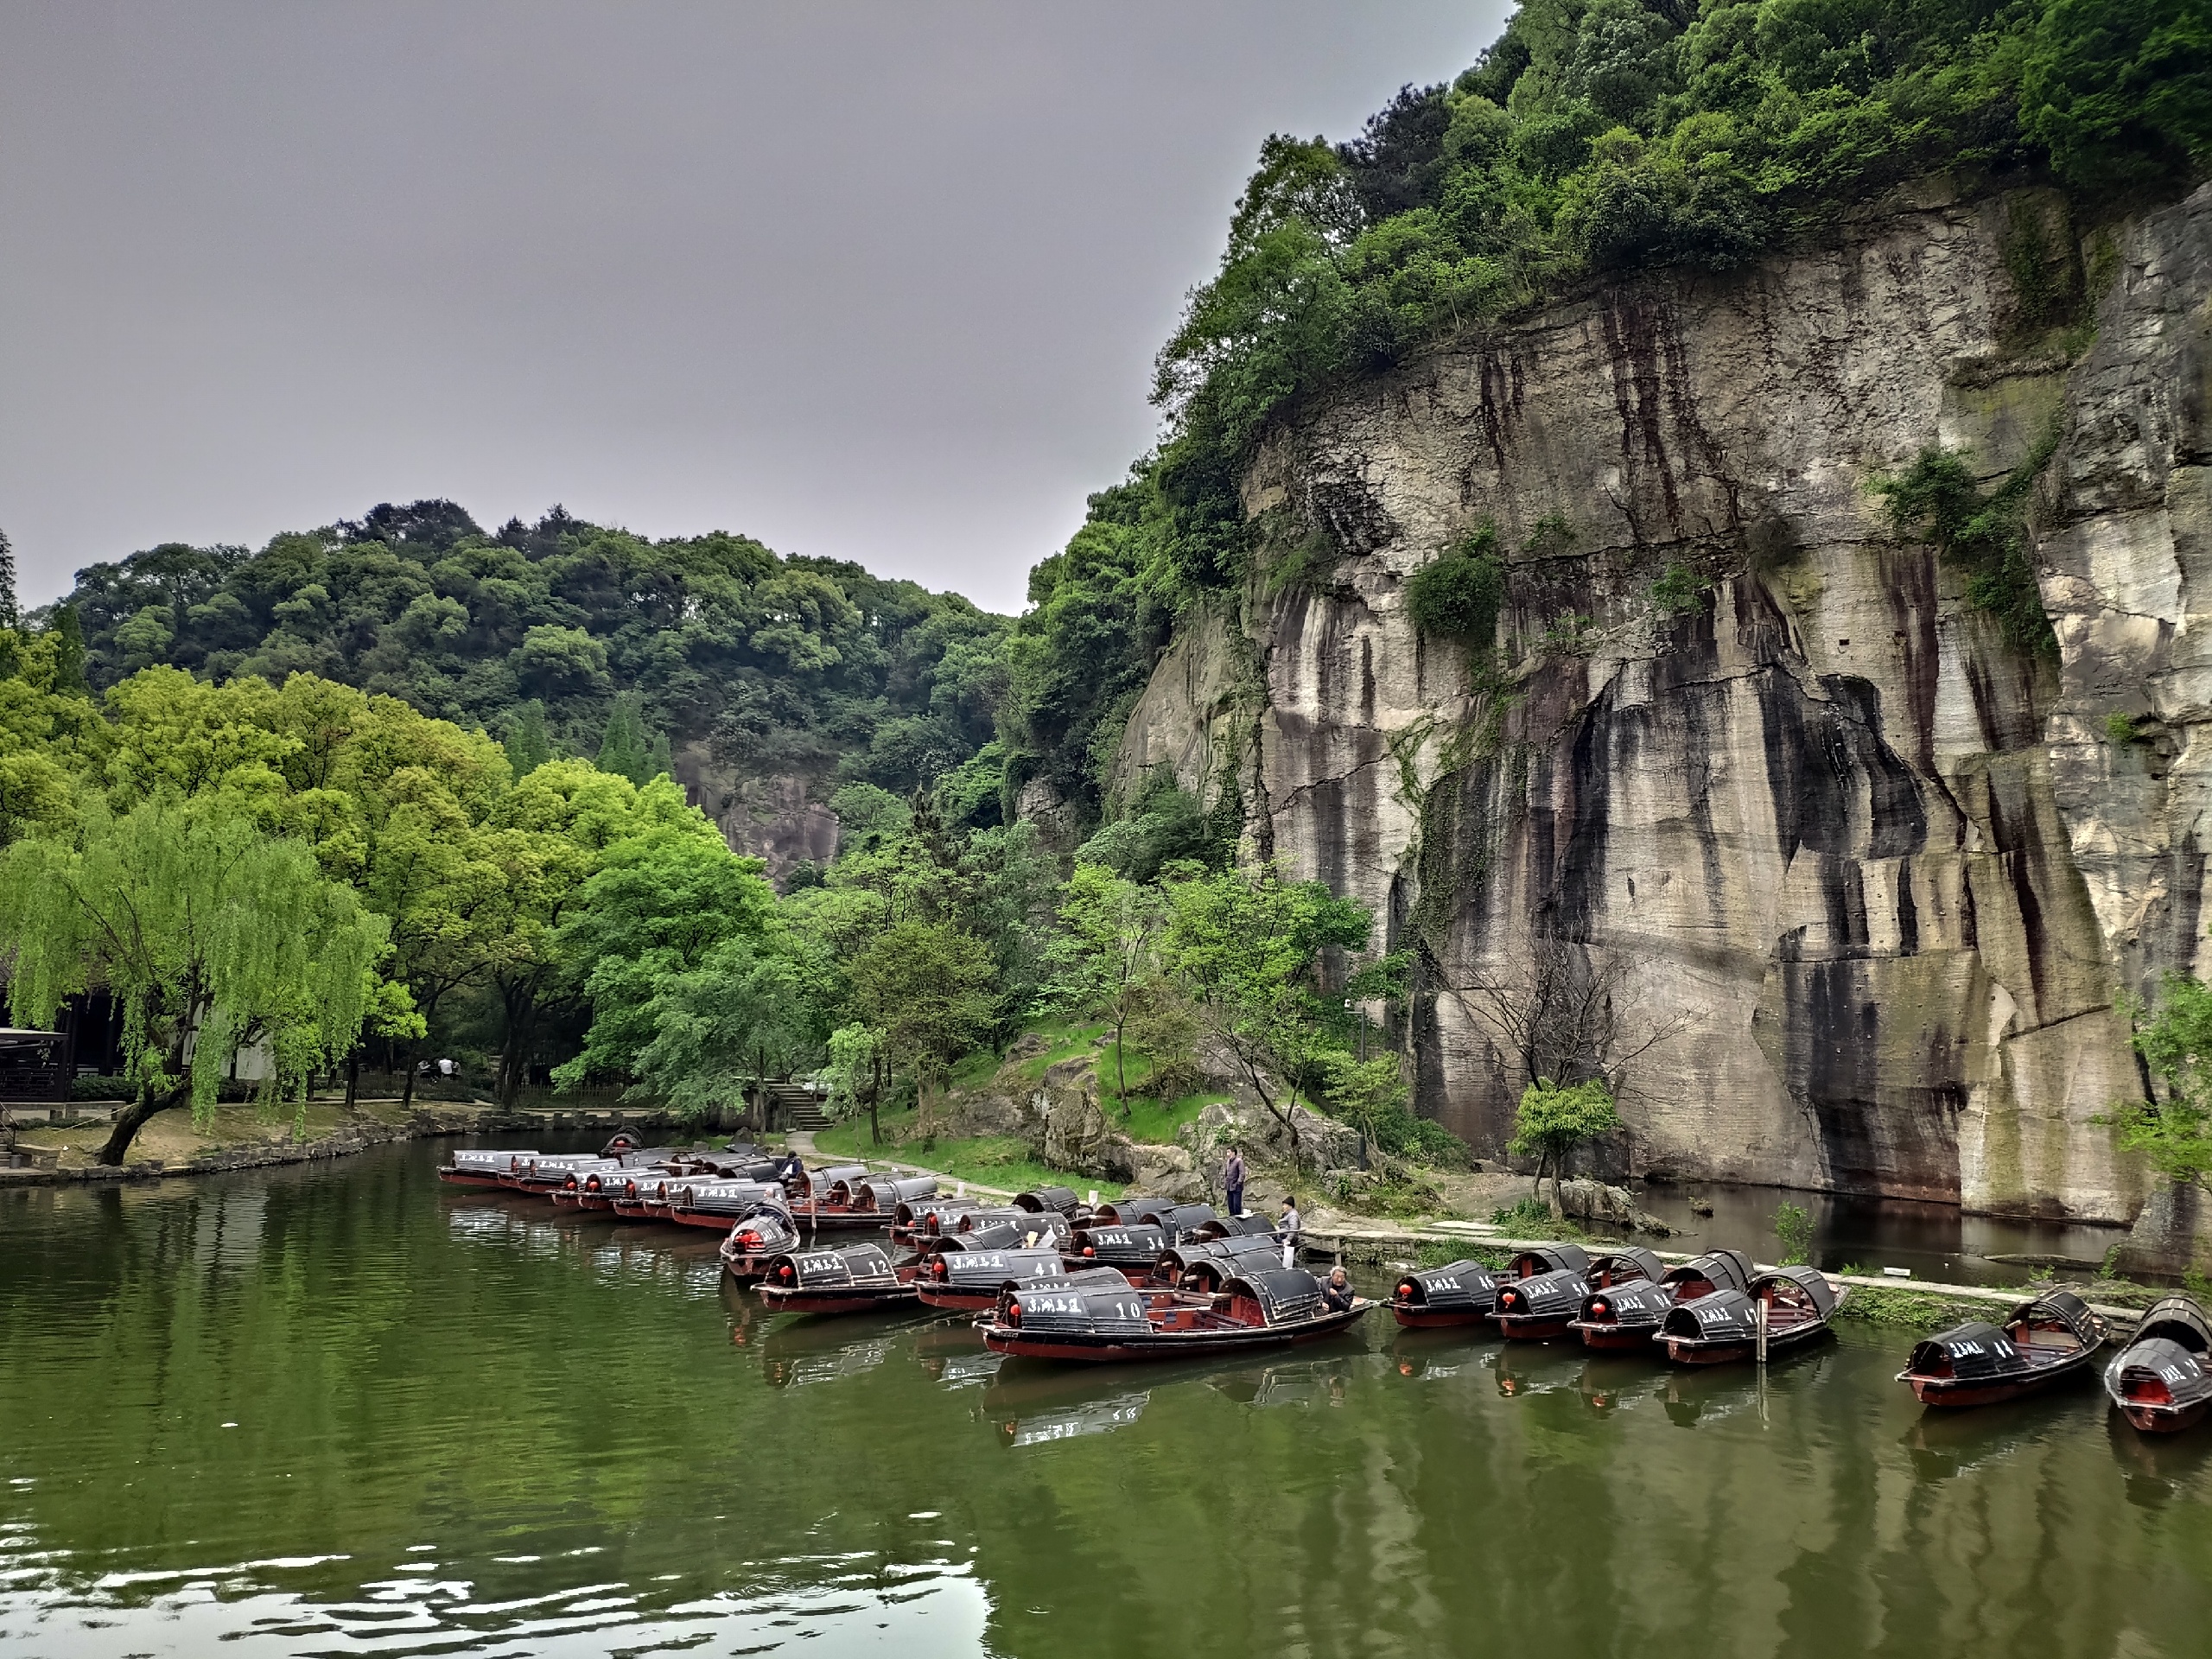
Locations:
1458 595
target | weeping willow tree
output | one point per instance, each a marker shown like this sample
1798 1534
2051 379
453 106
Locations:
210 934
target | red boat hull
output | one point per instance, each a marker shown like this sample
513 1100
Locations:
1420 1319
454 1177
1611 1339
1181 1344
1518 1328
965 1301
1684 1352
2164 1419
853 1299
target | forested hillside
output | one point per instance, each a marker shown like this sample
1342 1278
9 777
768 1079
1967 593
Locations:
771 664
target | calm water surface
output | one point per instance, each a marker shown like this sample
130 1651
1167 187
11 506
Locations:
348 1410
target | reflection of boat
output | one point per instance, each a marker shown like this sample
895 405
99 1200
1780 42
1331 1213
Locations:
1298 1383
1257 1309
1941 1444
1460 1293
1093 1417
807 1352
2156 1467
835 1282
1542 1291
1693 1394
2161 1382
1519 1371
2047 1341
1626 1316
1607 1382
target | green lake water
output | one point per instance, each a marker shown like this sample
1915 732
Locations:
346 1409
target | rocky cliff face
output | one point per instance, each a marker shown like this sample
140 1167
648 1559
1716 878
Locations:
1870 876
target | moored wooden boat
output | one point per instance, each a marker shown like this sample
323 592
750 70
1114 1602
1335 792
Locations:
2043 1342
483 1166
847 1280
1261 1309
1724 1326
2161 1380
1541 1292
1174 1219
1434 1298
1062 1200
1625 1315
1233 1227
754 1243
1204 1266
916 1219
973 1280
696 1203
1132 1248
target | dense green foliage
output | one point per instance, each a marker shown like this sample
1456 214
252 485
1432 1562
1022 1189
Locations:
1939 498
565 637
1555 1121
2173 1130
1457 596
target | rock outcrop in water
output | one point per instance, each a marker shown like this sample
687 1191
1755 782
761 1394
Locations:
1871 874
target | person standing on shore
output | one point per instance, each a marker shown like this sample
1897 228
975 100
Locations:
1232 1179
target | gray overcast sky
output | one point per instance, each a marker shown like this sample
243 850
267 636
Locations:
881 282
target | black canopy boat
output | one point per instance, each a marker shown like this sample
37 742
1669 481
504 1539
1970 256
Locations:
1061 1199
1134 1249
1458 1294
1205 1266
1232 1227
973 1280
483 1166
1542 1293
916 1219
717 1203
1176 1220
845 1280
1265 1309
1714 1330
1626 1315
2042 1343
755 1242
2161 1380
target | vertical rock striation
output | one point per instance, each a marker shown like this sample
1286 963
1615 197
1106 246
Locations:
1870 873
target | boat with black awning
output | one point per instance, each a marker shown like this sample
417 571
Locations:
847 1280
1232 1227
1132 1248
1458 1294
2044 1342
1542 1293
2161 1380
1724 1326
754 1243
1206 1265
972 1279
1060 1200
1268 1308
1625 1316
1176 1220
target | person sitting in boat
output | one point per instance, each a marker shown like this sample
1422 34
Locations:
791 1169
1336 1294
1286 1230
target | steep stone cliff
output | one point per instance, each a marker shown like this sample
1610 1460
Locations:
1871 874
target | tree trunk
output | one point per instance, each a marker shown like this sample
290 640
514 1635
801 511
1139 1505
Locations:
875 1098
1120 1072
352 1077
134 1118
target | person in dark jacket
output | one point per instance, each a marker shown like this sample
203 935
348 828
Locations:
1232 1179
1337 1293
791 1169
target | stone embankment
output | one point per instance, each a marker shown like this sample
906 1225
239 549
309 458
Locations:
50 1165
